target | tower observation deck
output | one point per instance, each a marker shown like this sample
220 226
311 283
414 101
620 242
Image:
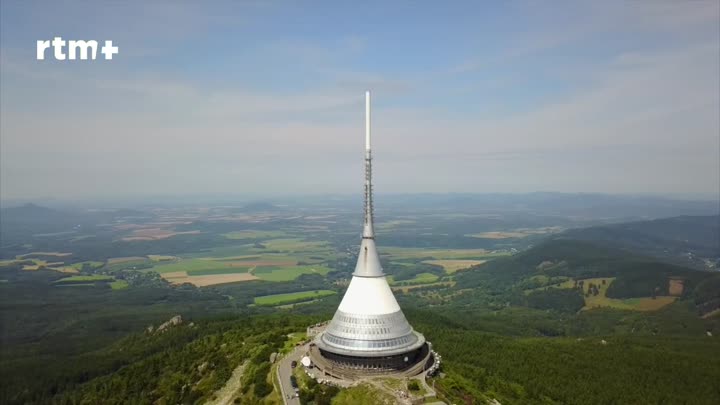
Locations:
369 330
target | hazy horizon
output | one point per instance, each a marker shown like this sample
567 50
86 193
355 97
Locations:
267 99
384 200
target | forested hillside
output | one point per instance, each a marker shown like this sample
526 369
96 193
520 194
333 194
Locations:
184 363
591 370
534 276
688 240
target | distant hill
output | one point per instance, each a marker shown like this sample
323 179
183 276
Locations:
32 213
535 277
17 224
571 258
578 206
32 224
687 240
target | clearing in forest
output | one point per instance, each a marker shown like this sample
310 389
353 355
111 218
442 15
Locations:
451 266
422 278
602 301
280 299
181 277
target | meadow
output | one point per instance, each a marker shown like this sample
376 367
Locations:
80 279
199 266
254 234
182 277
277 260
119 285
422 278
602 301
54 254
451 266
288 273
400 253
90 280
290 298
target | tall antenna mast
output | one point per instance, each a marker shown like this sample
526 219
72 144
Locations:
368 231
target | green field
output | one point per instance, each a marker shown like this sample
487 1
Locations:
289 298
198 266
254 234
281 245
417 253
277 261
119 285
209 272
259 257
224 251
451 266
293 340
278 249
232 258
422 278
297 245
79 279
280 273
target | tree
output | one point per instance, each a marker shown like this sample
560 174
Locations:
413 385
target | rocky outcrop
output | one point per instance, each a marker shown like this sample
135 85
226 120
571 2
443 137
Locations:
174 321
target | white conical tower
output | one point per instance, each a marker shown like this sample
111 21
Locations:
369 321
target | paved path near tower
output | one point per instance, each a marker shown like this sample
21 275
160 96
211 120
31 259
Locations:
284 371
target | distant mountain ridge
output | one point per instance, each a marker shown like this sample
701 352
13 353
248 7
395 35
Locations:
687 240
582 205
31 213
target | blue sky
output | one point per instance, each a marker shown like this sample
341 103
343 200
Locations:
267 97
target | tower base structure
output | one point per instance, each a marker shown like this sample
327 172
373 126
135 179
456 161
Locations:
347 367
